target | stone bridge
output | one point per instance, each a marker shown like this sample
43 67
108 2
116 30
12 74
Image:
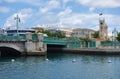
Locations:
33 44
22 46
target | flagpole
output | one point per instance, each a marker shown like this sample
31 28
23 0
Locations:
17 24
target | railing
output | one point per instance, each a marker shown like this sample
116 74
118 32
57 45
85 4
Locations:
73 43
69 43
113 44
55 40
12 38
17 38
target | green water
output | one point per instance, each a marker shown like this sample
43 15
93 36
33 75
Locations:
61 66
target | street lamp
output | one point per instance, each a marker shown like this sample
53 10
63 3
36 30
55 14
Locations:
17 21
114 32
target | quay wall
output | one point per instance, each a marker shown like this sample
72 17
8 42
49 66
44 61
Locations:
97 51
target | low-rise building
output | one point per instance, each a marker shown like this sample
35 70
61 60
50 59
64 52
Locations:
66 31
82 33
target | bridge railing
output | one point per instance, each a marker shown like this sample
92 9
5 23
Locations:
69 43
112 44
12 38
55 40
73 43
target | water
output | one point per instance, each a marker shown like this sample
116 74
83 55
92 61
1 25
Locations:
60 66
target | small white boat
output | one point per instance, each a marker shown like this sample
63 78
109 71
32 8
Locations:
74 60
12 60
109 61
47 59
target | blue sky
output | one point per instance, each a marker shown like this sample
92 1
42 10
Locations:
65 13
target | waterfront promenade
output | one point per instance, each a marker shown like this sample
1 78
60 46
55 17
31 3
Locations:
112 51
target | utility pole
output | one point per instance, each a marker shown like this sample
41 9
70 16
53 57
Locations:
114 35
17 21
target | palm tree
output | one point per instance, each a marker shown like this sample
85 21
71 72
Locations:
96 34
118 37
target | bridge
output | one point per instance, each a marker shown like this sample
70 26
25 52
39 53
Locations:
32 44
28 44
36 44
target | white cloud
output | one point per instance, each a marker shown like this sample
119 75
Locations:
91 9
4 9
100 3
66 1
31 2
52 4
66 12
10 1
71 21
24 15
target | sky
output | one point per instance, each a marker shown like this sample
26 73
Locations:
64 13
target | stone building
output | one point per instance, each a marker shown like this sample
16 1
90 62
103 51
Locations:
103 29
66 31
83 33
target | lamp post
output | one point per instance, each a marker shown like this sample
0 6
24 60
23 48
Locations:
17 21
114 36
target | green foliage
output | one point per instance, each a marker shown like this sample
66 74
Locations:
118 36
96 34
108 40
57 34
87 39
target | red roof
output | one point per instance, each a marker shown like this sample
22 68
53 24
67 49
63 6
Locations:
99 39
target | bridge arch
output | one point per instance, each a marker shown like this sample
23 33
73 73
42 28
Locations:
9 50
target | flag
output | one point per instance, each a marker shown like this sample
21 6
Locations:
100 14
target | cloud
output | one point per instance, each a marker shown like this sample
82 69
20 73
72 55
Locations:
4 9
52 4
10 1
91 9
66 1
100 3
31 2
24 15
67 18
66 12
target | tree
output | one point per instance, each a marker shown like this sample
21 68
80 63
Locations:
87 39
59 35
96 34
56 34
118 37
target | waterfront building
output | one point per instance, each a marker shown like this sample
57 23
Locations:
52 28
38 29
66 31
12 32
83 33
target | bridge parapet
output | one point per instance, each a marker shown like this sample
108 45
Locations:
12 38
